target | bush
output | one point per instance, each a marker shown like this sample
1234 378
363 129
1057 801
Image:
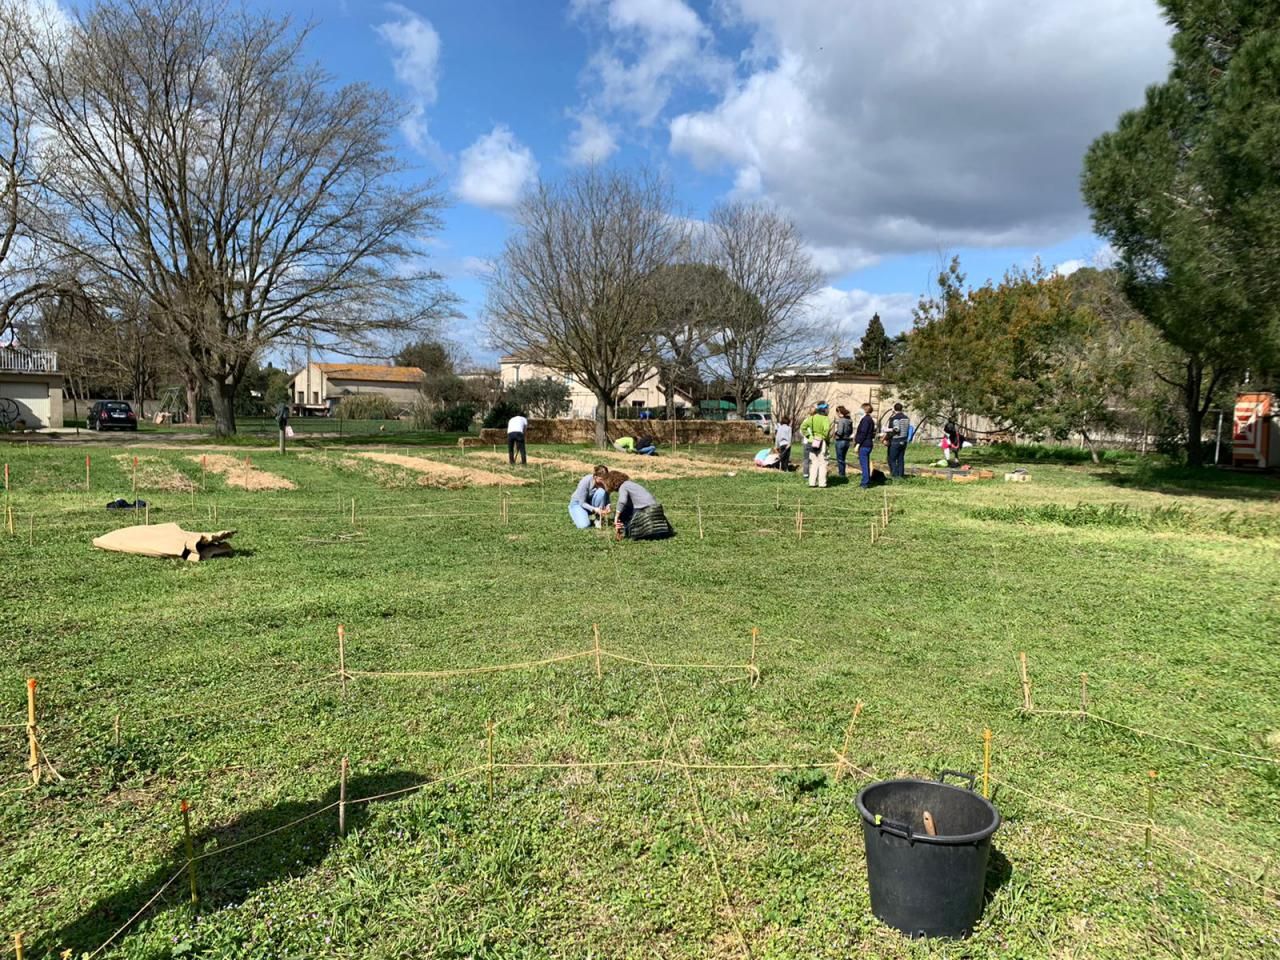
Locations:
368 406
499 414
455 419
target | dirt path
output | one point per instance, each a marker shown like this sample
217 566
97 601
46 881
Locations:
240 472
641 468
155 474
445 473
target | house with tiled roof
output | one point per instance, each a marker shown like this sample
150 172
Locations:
318 387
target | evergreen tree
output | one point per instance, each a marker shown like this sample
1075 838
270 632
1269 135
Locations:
1187 190
875 352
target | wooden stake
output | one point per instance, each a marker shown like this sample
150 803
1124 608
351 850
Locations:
342 658
116 731
701 535
9 515
135 478
986 763
489 734
204 467
31 530
215 511
342 799
146 515
599 673
191 853
873 532
929 827
1151 807
353 511
1026 682
86 473
843 758
34 762
542 481
1084 695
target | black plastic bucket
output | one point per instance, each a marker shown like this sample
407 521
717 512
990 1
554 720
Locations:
927 886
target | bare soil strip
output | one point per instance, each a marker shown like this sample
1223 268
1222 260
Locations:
155 474
446 474
641 468
240 472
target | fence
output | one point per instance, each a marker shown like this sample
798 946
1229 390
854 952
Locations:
841 765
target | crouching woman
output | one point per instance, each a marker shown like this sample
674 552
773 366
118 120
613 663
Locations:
589 504
639 516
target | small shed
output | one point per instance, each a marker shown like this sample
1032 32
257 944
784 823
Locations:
30 389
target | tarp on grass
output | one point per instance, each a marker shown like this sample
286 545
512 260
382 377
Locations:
167 540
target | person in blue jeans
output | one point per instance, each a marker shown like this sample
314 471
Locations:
589 504
865 438
842 431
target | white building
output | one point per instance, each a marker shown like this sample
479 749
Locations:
30 388
647 392
318 387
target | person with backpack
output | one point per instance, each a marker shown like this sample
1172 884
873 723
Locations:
842 433
639 515
865 438
589 504
816 431
898 433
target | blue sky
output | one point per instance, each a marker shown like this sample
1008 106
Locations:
894 133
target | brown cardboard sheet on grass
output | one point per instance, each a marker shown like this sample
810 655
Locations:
167 540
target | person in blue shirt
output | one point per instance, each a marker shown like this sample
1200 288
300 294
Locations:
589 504
865 439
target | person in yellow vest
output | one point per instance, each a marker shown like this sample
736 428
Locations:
816 430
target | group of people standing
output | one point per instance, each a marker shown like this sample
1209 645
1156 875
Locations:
819 431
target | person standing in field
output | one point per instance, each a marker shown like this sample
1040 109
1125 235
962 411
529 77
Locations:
865 439
782 441
899 433
516 428
589 504
804 447
842 433
816 431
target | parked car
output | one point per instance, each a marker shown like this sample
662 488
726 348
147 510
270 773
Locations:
111 415
762 420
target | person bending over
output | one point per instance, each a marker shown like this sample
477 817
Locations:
625 444
647 446
516 428
589 504
639 515
769 459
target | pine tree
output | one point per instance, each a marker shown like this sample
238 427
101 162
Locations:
875 352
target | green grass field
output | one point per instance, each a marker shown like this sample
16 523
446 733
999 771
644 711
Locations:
1162 585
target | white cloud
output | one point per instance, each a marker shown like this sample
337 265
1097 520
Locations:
416 60
645 51
477 266
843 314
592 142
881 131
496 170
1067 267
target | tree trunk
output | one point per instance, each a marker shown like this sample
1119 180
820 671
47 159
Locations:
222 395
602 420
1088 442
741 400
1195 415
193 400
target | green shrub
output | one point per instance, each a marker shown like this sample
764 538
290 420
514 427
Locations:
499 414
454 419
368 406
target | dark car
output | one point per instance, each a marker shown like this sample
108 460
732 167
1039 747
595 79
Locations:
111 415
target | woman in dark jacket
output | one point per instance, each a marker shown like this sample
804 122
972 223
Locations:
842 431
639 515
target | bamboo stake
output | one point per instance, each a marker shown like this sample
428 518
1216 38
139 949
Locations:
9 516
542 481
1084 695
17 945
753 670
31 530
342 799
489 735
86 473
191 853
215 511
843 756
135 478
599 673
34 763
1151 808
146 515
1026 682
353 511
986 763
700 531
116 731
342 658
204 467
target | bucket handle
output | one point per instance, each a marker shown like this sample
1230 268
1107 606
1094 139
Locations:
971 777
893 828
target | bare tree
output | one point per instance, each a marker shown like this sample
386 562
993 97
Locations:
571 290
202 163
761 253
